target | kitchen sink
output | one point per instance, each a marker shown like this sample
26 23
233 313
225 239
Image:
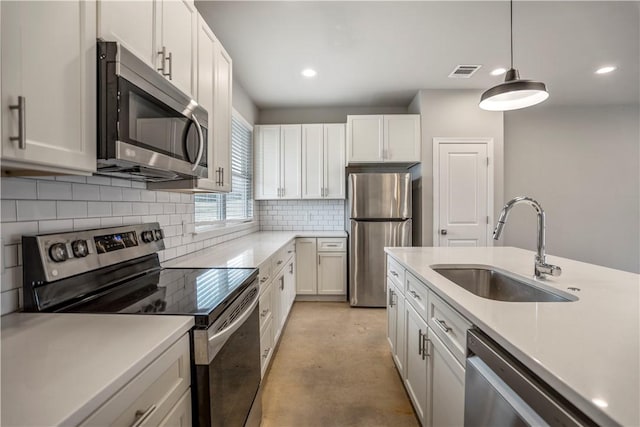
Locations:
491 284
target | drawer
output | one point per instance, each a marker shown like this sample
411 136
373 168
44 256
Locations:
395 272
449 325
417 294
278 260
264 274
153 393
265 306
290 249
266 345
333 244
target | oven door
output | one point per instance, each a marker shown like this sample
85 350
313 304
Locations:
227 385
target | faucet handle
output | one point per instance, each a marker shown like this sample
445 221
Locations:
547 269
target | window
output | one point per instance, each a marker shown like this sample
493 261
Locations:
236 206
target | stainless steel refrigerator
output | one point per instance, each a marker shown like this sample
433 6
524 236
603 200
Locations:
379 212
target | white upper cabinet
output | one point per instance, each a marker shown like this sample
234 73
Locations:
48 87
160 32
323 154
290 166
402 138
278 162
220 167
364 139
312 161
383 138
132 24
175 33
334 161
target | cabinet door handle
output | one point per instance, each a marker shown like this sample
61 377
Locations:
391 295
393 273
291 268
415 295
420 342
425 347
22 123
443 325
170 73
141 416
319 259
222 177
163 54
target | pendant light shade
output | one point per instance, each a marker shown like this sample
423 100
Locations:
514 93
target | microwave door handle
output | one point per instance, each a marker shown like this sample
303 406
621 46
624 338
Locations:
200 142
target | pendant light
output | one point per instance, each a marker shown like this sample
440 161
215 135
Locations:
514 93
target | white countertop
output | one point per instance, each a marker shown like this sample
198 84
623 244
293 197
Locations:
247 251
588 350
57 369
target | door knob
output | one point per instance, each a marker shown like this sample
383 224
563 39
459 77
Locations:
443 232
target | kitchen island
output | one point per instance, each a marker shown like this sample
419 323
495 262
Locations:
588 349
59 369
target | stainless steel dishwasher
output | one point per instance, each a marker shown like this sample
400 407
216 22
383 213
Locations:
500 391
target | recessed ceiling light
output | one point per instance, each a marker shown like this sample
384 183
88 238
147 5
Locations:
599 402
308 72
605 70
498 71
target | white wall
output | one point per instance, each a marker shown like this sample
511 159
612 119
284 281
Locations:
242 102
276 116
583 165
454 113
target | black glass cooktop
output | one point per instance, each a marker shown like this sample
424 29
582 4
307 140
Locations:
202 293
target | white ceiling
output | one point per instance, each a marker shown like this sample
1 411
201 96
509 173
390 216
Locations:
382 53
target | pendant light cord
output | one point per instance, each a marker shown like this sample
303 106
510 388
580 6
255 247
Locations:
511 10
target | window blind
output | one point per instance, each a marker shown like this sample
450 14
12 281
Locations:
238 204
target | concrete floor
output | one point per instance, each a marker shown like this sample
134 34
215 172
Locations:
334 368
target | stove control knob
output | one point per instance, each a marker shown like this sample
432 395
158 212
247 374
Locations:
147 236
80 248
158 234
58 252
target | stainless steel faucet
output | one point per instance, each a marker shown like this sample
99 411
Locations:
541 266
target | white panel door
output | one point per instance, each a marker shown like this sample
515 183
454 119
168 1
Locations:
221 118
312 161
291 161
332 273
364 139
267 163
132 24
447 405
463 181
402 138
416 368
178 20
49 59
306 266
334 161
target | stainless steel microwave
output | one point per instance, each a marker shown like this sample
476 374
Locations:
148 130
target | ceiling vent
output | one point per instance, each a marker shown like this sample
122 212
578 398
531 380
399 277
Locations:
464 71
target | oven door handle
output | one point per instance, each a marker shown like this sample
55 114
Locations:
217 341
200 142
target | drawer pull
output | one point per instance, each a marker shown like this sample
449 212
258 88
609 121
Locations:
420 343
142 416
331 246
415 295
443 325
265 353
289 252
264 312
280 262
264 279
393 273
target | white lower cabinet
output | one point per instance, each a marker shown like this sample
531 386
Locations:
416 378
447 385
322 266
396 325
159 395
427 339
277 277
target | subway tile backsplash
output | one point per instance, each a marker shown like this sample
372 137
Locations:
289 215
56 204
